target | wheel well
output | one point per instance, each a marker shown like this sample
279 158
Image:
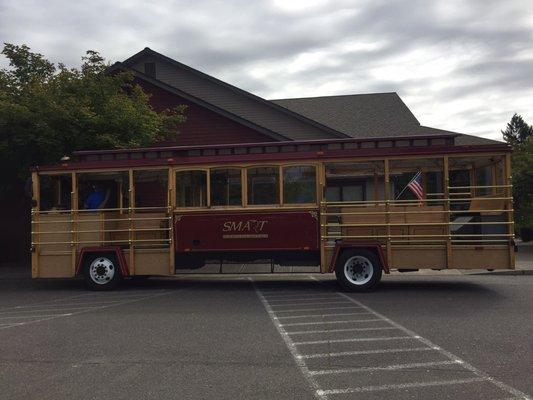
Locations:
116 255
374 248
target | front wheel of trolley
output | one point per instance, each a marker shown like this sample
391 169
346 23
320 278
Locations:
101 272
358 270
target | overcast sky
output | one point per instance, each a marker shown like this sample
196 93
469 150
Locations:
461 65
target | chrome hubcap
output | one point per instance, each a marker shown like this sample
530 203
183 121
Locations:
102 270
358 270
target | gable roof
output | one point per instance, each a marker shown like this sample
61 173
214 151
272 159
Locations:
370 116
223 96
374 115
359 115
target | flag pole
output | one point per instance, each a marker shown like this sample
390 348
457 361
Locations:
406 186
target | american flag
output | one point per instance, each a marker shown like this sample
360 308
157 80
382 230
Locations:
416 185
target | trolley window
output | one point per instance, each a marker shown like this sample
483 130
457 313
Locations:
226 187
299 184
151 188
191 188
263 185
55 192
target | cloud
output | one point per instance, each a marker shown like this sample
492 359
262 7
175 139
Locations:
461 66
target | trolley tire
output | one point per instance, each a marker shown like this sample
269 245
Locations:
101 271
367 266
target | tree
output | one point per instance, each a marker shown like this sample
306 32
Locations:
48 110
520 136
517 131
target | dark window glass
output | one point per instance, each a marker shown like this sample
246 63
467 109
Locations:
226 187
103 190
55 192
263 185
191 189
151 188
299 184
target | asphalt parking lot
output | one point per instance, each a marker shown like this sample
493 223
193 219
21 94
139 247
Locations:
268 337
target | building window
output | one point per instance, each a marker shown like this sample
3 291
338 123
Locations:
226 187
263 185
149 69
299 184
191 189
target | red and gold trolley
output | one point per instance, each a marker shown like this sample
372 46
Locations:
346 206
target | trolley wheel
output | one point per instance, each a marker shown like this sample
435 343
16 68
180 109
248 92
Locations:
358 270
101 271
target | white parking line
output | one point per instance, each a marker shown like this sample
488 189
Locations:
36 316
319 315
342 330
316 309
375 339
274 311
42 310
295 295
348 321
308 304
80 299
300 300
30 319
288 342
393 367
361 352
399 386
480 374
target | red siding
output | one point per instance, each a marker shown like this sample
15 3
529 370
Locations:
203 126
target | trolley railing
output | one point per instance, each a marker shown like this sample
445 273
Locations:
139 226
466 219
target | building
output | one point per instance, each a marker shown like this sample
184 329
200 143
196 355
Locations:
219 113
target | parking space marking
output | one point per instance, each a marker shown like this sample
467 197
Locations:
341 330
480 374
66 309
317 309
361 352
318 315
400 386
353 340
393 367
40 310
348 321
298 300
79 299
405 355
309 304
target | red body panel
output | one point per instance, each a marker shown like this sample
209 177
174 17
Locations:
247 231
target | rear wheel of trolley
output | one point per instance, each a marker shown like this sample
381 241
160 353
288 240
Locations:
358 270
101 271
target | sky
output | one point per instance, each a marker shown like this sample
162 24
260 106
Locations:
459 65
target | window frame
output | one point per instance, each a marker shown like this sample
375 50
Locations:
208 188
282 184
243 179
244 167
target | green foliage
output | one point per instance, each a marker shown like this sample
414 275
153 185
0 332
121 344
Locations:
517 131
48 110
520 136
